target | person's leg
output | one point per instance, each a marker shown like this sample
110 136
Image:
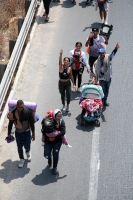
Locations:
102 84
79 80
107 86
62 92
56 149
105 15
68 93
19 141
47 152
74 73
46 6
27 143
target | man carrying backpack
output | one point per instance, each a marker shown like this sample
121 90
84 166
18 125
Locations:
23 119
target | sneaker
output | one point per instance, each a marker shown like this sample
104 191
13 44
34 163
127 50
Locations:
21 163
78 90
105 22
54 170
106 103
74 89
67 108
46 19
63 108
28 154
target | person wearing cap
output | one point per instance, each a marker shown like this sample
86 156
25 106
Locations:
53 144
78 61
102 69
95 42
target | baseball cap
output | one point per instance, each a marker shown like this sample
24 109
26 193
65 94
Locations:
95 29
102 50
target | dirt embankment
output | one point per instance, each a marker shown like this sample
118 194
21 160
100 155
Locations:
10 11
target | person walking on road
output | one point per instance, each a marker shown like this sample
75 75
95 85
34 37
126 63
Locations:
46 7
52 145
78 61
65 74
103 71
23 119
95 42
103 8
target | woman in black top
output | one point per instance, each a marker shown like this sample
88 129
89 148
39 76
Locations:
53 145
65 74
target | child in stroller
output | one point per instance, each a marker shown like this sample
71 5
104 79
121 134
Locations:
49 126
91 103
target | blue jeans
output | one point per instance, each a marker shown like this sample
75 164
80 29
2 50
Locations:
105 86
23 139
48 147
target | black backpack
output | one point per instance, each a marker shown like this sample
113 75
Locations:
48 125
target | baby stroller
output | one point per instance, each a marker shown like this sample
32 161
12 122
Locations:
91 103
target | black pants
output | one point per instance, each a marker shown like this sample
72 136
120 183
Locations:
23 139
48 147
75 74
91 62
65 87
46 5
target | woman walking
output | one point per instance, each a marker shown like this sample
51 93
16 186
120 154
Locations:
78 61
52 145
65 74
46 7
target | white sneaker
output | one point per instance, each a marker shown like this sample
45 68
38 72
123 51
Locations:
63 108
28 154
74 89
105 22
21 163
46 19
67 108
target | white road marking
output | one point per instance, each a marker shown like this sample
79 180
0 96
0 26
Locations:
94 165
95 162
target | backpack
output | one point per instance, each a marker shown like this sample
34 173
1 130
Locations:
101 1
48 125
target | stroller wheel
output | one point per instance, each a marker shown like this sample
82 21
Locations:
97 123
82 121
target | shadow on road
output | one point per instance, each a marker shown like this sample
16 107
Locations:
88 127
46 177
93 25
84 5
11 171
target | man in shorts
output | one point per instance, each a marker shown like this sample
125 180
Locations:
95 40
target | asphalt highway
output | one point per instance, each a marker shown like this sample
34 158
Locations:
99 166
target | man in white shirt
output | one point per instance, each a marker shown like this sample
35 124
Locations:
95 42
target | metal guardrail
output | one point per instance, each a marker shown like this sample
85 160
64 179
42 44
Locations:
12 64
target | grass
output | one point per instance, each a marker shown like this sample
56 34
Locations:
9 10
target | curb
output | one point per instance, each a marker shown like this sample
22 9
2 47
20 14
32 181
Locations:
21 65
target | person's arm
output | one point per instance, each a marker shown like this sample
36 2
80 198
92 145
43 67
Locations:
32 126
105 39
71 56
60 60
86 62
114 51
88 39
71 76
62 129
10 124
